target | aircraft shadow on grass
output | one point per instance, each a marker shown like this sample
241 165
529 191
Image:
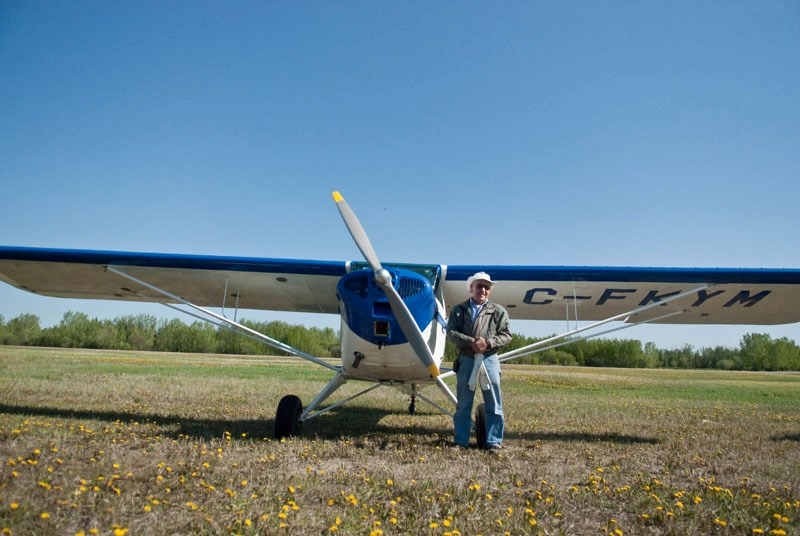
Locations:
786 437
328 426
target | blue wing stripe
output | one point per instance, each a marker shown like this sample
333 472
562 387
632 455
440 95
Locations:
162 260
775 276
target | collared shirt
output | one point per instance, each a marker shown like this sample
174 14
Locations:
475 309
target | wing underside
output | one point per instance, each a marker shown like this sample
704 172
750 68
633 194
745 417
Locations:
713 295
246 283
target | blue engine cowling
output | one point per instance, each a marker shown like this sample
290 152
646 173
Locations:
366 310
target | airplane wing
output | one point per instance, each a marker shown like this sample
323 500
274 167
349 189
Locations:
713 295
249 283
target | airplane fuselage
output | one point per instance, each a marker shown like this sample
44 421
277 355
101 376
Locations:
374 346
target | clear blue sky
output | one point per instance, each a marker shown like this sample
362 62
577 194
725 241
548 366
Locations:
582 133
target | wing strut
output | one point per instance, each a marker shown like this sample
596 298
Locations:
269 341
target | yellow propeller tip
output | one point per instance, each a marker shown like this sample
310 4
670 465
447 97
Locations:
337 197
434 370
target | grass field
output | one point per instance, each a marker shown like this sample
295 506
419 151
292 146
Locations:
97 442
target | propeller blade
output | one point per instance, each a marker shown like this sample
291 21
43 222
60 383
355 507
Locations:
410 328
357 232
384 280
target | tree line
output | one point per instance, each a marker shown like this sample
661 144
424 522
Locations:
756 351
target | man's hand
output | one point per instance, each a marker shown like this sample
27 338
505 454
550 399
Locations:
480 345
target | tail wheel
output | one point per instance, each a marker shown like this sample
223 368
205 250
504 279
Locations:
480 426
287 418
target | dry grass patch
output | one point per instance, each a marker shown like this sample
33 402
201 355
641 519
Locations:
129 443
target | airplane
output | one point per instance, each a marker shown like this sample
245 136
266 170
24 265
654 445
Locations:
393 315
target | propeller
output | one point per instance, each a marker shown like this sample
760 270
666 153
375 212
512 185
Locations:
384 280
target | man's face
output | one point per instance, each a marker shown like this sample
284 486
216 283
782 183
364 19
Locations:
479 290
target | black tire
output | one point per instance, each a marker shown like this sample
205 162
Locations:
287 418
480 426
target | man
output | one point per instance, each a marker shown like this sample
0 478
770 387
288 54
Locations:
478 328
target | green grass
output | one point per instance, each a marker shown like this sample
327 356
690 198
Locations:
148 443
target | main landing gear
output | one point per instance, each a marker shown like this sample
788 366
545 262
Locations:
480 426
287 417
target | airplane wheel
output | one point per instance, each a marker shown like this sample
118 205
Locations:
412 407
480 426
287 418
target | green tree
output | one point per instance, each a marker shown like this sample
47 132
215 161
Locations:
23 330
136 332
716 357
175 336
785 355
754 350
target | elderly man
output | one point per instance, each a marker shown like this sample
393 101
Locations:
478 328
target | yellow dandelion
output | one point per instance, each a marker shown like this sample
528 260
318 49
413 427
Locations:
14 505
147 508
44 515
291 489
119 531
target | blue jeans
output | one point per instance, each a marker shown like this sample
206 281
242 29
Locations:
462 419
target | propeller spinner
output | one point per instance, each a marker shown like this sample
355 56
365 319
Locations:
384 280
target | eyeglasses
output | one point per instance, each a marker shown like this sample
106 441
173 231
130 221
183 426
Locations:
483 286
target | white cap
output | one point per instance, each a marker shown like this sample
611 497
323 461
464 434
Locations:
479 276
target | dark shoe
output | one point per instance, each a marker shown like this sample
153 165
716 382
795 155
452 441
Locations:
494 449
